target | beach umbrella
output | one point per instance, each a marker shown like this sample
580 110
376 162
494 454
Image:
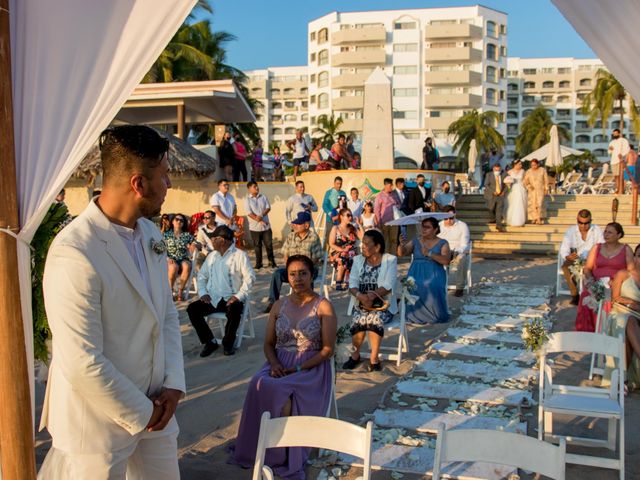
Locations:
416 218
554 159
473 156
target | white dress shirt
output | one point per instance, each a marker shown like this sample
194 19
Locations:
226 203
620 147
224 276
203 239
356 207
256 205
132 238
573 239
457 235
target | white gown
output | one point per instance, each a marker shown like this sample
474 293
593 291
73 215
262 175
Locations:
516 204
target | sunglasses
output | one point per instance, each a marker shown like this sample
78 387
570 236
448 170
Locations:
348 215
584 223
207 218
224 185
181 220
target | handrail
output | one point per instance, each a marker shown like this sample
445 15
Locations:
634 194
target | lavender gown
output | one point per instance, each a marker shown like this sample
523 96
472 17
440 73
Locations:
299 337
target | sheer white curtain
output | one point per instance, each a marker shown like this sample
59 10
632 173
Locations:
74 63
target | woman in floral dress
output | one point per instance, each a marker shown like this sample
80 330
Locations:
179 243
342 247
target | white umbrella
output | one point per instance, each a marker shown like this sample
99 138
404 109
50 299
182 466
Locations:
475 172
416 218
553 151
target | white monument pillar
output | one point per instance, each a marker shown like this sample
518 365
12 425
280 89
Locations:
377 128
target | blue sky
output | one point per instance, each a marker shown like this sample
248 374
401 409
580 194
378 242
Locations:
274 32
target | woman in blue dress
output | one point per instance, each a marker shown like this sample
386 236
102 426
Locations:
430 257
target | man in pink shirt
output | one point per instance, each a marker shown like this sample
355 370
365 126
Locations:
383 210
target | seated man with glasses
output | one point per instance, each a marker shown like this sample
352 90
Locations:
203 236
456 232
575 247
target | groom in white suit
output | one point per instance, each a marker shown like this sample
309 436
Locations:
117 372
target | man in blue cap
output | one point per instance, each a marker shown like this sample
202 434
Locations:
302 241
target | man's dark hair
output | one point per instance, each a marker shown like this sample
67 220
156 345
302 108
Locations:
251 183
419 176
584 213
449 209
352 189
341 136
399 180
377 238
445 183
299 182
388 181
336 179
130 149
221 181
211 212
223 231
616 130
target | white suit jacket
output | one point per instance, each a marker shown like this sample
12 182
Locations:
114 345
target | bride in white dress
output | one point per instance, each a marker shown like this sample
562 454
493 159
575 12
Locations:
516 204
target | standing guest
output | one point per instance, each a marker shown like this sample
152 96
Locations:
204 234
116 373
403 194
536 182
355 204
315 158
368 218
300 151
430 257
456 233
494 192
341 156
349 146
297 378
257 207
604 260
240 159
300 202
278 174
372 281
419 197
445 197
224 282
256 161
516 204
383 209
494 158
223 204
165 223
430 155
226 155
632 158
179 241
342 247
335 213
619 149
330 202
578 241
301 241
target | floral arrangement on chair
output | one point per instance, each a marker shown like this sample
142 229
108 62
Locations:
597 293
408 287
344 347
534 335
577 266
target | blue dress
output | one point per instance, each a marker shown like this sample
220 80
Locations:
431 287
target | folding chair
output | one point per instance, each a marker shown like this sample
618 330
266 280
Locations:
601 316
605 184
580 401
504 448
468 282
314 432
560 280
192 283
569 185
245 319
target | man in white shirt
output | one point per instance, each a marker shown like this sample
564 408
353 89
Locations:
258 207
576 244
355 204
203 236
456 232
444 197
618 148
223 204
300 151
300 202
224 282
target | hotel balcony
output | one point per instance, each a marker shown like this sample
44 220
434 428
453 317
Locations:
458 30
463 77
375 34
362 57
454 54
348 103
439 123
453 100
351 125
349 80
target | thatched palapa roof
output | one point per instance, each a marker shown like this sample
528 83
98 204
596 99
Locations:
184 159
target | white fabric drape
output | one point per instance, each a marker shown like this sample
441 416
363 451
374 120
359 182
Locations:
74 63
610 29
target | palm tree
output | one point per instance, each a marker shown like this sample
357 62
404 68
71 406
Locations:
479 126
329 128
607 95
534 131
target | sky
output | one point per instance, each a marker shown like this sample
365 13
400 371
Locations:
273 33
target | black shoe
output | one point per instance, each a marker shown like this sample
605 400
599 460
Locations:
575 299
269 307
351 363
459 292
228 352
209 348
374 367
257 267
273 265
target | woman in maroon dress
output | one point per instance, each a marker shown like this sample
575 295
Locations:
604 260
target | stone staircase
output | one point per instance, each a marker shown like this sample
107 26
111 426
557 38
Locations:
542 239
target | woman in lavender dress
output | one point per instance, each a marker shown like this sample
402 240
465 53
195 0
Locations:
296 378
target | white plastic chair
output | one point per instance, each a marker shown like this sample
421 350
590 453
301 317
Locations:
591 402
192 283
314 432
504 448
245 319
468 282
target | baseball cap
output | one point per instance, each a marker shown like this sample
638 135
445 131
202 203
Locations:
303 217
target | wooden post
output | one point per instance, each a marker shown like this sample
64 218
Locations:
181 122
634 204
16 428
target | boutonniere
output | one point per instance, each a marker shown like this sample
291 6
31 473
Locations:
158 247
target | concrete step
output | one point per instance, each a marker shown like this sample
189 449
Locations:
537 237
569 200
479 228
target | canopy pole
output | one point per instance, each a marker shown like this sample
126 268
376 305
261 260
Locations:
182 127
16 428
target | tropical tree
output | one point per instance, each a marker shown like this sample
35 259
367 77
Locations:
329 128
607 96
534 131
479 126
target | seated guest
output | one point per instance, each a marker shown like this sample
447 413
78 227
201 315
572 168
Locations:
179 242
372 281
224 282
604 260
342 247
576 244
456 233
165 222
302 241
368 218
204 234
430 255
444 197
296 378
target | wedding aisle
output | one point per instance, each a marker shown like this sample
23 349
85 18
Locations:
477 375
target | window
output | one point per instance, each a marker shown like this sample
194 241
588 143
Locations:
529 71
323 100
547 98
405 92
275 105
323 57
312 36
564 70
259 118
410 135
323 35
276 131
512 73
565 125
275 91
405 114
304 117
511 115
583 139
529 84
511 129
290 118
503 29
528 99
405 47
563 112
600 152
323 79
312 57
491 29
304 104
547 84
276 118
510 140
564 98
256 90
289 91
405 70
548 70
491 74
289 104
491 96
404 26
443 45
600 138
312 99
492 51
598 124
585 82
512 87
584 68
564 84
289 131
526 113
503 95
261 131
503 51
512 102
503 73
304 91
581 96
